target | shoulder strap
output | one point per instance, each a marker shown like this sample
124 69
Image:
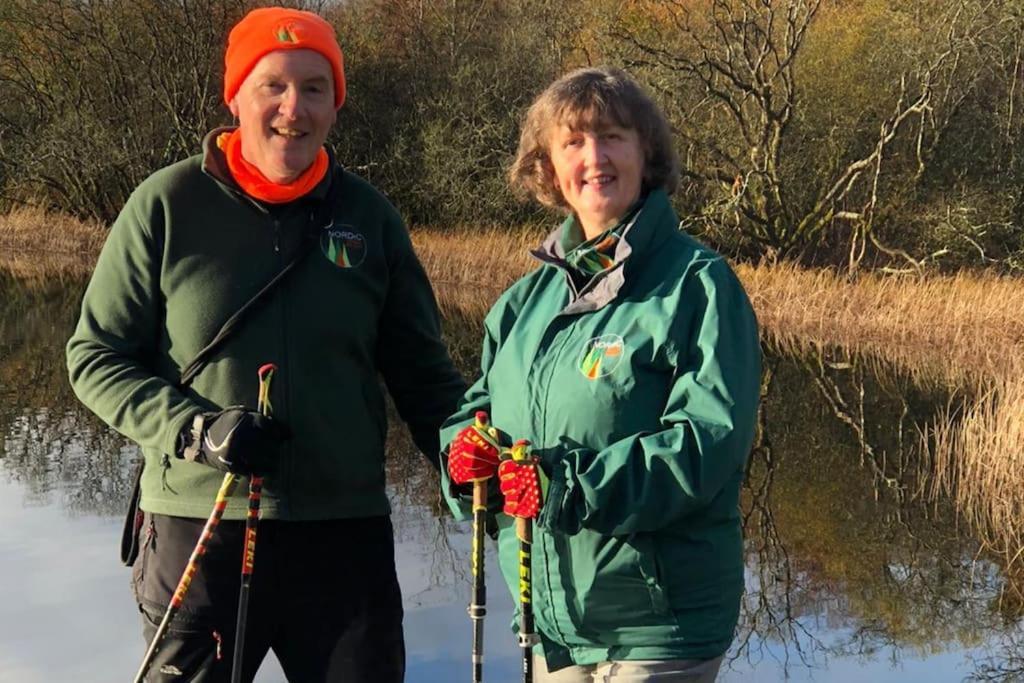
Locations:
231 324
323 214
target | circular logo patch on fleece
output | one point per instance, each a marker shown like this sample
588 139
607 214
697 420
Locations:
343 246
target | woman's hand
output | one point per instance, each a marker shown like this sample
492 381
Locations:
473 455
520 483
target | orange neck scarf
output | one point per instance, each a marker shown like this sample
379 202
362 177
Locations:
256 185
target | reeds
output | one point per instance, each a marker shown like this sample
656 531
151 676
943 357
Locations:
39 247
978 460
471 267
964 329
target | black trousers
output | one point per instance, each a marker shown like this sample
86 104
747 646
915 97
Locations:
324 598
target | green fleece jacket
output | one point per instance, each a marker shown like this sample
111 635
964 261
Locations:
188 249
639 393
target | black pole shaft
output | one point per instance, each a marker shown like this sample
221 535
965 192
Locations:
478 605
248 561
527 637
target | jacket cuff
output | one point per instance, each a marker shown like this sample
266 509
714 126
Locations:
175 426
459 499
448 431
557 513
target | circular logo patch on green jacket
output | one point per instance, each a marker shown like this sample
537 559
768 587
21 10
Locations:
343 246
601 355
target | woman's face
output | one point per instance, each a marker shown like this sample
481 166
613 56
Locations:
285 108
599 172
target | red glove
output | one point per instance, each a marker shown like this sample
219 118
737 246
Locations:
520 486
473 455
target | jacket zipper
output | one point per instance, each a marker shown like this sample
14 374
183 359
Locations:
286 376
547 541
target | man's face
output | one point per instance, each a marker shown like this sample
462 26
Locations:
285 108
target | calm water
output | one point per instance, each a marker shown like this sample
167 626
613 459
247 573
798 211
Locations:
849 576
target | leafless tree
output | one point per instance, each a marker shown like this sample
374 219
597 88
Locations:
743 56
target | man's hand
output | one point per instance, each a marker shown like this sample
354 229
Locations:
235 440
520 483
473 455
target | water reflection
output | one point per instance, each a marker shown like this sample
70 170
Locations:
50 444
846 568
842 560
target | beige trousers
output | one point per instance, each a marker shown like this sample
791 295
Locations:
637 671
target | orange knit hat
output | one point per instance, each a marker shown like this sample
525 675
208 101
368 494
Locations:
277 28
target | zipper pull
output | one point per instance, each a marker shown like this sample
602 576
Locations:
217 637
277 236
165 464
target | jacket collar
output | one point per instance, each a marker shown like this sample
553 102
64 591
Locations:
651 225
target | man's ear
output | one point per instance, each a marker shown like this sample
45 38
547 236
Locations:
233 106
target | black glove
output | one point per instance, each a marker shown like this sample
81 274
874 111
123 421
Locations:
235 440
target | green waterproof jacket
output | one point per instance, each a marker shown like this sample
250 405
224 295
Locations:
188 249
639 393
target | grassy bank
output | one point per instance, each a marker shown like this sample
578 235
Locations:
469 274
965 331
39 247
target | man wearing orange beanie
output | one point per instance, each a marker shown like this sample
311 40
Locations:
266 203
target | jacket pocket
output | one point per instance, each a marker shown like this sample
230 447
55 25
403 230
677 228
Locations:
650 565
147 537
615 596
191 650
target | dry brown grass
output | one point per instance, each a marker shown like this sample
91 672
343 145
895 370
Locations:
470 267
965 331
40 247
962 328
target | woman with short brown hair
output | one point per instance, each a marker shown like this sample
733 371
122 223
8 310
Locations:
630 361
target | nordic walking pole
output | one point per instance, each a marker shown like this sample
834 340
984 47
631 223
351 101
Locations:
520 452
478 606
266 373
227 487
